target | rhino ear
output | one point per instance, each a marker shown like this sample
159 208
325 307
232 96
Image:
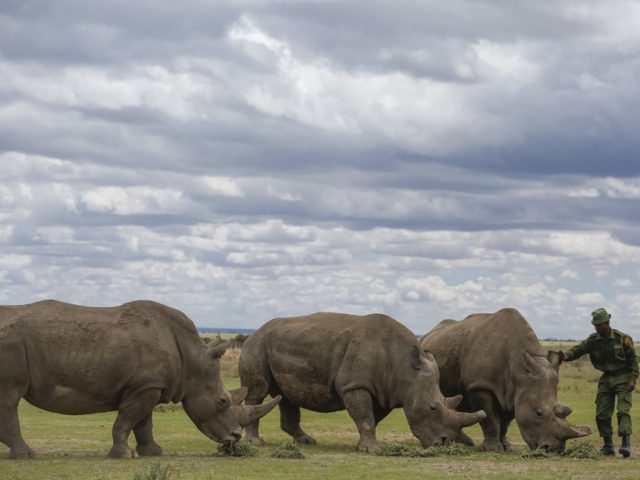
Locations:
562 411
554 359
453 402
429 355
415 360
238 395
422 360
216 351
532 367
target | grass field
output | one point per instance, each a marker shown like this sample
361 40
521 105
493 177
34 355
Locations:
75 447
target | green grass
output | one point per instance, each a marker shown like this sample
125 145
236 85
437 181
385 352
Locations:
75 447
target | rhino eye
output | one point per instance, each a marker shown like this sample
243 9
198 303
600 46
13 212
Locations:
432 407
222 403
539 412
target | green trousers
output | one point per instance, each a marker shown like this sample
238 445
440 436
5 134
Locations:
610 386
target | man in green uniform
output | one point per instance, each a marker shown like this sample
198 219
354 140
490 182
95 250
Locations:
613 353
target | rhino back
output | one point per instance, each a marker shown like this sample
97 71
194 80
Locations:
314 359
80 359
483 351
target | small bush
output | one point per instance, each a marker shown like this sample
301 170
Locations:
583 450
402 449
238 449
580 450
537 453
287 450
238 340
450 448
156 472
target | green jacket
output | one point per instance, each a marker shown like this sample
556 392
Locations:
615 353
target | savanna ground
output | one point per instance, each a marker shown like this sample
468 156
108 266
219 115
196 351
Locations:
75 447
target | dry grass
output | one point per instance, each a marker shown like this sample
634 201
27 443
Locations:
229 363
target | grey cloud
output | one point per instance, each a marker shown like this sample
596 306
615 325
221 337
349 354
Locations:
250 159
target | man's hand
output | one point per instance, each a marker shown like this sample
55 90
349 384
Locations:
631 386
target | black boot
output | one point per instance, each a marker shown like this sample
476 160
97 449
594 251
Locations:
625 448
607 449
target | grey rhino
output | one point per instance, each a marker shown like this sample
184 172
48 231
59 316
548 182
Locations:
492 359
369 365
75 360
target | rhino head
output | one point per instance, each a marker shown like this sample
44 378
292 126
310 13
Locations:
542 421
432 417
215 411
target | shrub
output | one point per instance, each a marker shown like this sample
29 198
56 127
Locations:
403 449
583 450
580 450
406 449
450 448
287 450
238 449
238 340
156 472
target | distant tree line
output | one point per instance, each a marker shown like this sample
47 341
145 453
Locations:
235 342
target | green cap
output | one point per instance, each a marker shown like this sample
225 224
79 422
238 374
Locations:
600 316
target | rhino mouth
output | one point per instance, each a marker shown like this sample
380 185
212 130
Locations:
227 441
558 448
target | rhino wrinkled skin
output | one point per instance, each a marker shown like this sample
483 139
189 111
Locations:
369 365
72 359
493 360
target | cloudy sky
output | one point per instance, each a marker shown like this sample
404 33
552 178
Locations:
247 159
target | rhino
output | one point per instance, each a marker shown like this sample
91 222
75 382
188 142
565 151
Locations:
493 360
369 365
73 359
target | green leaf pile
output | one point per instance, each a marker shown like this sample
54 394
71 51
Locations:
287 450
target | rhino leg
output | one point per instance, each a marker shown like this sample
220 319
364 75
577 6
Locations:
290 422
484 400
10 429
146 445
360 407
380 414
505 420
255 396
14 384
135 407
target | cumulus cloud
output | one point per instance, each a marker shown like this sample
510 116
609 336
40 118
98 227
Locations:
260 159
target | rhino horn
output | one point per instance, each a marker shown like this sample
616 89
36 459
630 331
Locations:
463 419
574 431
554 359
453 402
562 411
217 350
238 395
533 368
251 413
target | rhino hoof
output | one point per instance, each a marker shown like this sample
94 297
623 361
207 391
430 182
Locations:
492 447
306 440
366 448
255 441
22 454
152 450
120 452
